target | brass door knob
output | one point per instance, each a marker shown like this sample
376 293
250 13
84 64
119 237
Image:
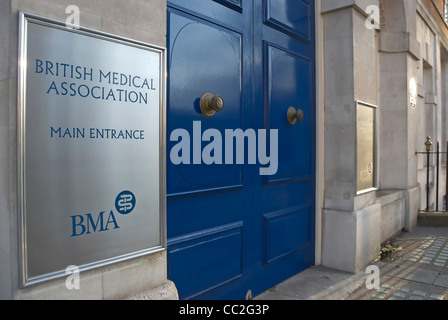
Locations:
295 115
210 104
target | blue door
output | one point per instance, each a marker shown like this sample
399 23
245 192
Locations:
230 229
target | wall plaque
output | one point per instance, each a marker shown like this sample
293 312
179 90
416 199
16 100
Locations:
90 150
366 146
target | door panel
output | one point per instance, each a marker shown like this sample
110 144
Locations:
288 84
234 4
209 63
286 200
290 16
285 233
222 266
207 204
231 230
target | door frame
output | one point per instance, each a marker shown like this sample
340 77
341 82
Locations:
319 130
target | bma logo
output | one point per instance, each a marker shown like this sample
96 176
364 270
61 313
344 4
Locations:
125 202
87 224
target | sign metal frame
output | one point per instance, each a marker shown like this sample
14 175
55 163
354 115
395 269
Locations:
25 19
374 186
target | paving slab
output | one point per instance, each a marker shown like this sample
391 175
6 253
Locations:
441 280
392 288
315 283
409 273
416 270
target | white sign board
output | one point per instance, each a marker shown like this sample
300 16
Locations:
91 148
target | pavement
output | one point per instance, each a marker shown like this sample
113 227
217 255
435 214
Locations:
415 268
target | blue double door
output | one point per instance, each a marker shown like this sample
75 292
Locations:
231 229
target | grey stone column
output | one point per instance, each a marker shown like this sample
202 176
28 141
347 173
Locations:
374 67
399 55
351 222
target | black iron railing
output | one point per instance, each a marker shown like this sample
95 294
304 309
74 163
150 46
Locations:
437 154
